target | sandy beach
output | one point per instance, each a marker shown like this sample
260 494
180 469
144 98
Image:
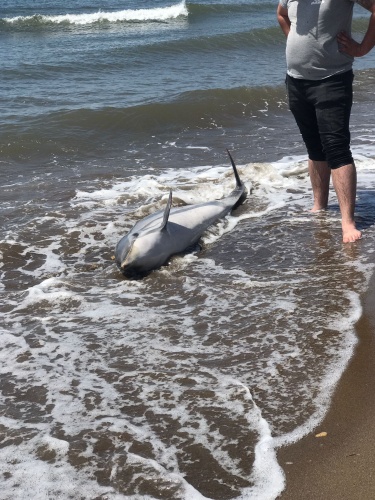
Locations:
340 465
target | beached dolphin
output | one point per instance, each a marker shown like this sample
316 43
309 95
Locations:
154 239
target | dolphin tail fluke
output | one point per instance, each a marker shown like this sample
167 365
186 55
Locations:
240 185
166 212
238 180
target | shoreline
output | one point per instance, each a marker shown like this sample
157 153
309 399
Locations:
340 466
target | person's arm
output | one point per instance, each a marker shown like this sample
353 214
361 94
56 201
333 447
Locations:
349 46
283 18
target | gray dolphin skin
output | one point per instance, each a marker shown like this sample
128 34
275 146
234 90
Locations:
154 239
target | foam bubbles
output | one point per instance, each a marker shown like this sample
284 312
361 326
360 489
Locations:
183 384
139 15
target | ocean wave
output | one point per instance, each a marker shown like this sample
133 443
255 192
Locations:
217 8
244 40
188 109
129 15
78 129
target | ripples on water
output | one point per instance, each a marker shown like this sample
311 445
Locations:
185 383
153 386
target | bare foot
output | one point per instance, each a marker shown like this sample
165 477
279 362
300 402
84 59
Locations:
350 233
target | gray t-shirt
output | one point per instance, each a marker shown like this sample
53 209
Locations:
312 50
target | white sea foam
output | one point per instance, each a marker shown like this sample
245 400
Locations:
154 369
139 15
346 327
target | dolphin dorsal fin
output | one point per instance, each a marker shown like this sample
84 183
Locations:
166 212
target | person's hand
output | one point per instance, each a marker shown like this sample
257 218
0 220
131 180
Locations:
347 45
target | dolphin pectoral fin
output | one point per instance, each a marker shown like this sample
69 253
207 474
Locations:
166 212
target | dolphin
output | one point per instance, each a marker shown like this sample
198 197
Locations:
154 239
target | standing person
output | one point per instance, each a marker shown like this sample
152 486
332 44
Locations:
320 53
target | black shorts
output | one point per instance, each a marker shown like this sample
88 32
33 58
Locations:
322 111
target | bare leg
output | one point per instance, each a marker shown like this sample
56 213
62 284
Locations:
345 184
320 175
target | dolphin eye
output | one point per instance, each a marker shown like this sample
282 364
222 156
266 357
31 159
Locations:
135 235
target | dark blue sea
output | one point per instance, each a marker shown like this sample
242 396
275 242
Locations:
182 385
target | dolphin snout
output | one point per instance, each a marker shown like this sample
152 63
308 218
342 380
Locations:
123 251
132 272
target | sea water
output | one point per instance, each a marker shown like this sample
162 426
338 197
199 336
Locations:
182 385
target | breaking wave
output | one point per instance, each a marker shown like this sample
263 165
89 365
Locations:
129 15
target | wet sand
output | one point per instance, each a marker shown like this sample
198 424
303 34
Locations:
341 466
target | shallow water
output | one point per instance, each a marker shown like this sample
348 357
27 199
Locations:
184 384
